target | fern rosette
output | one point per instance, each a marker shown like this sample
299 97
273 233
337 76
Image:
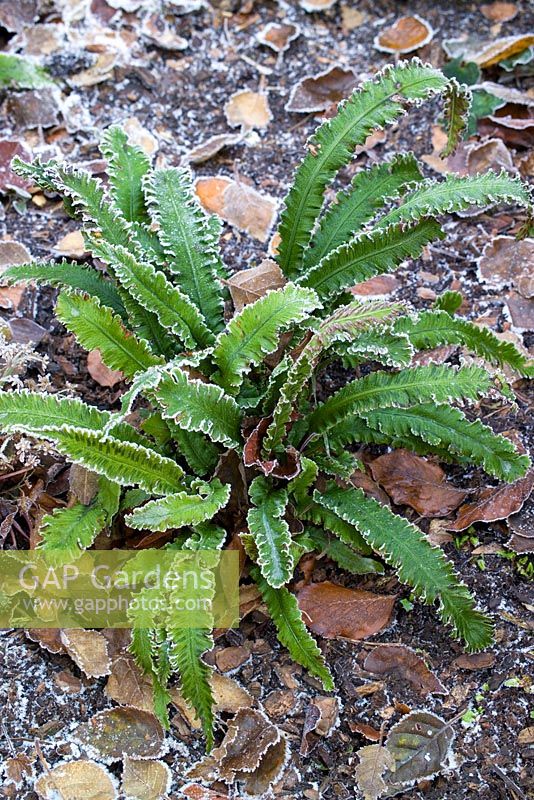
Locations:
230 436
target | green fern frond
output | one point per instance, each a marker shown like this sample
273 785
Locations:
127 165
182 508
39 172
446 427
391 349
206 537
270 532
368 192
330 521
449 301
200 454
30 412
202 407
456 193
343 555
433 328
67 532
146 326
376 104
457 99
440 384
151 289
186 648
126 463
343 325
371 253
67 274
97 327
292 632
254 332
192 255
418 563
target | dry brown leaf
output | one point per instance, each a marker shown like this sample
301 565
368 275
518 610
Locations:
375 760
100 373
145 780
316 5
128 686
319 92
249 285
71 245
505 261
414 481
228 698
403 662
195 791
491 154
286 468
521 310
77 780
376 287
24 330
268 772
18 769
83 483
474 661
48 638
322 716
405 35
352 18
155 28
248 109
371 488
249 737
206 150
521 527
139 136
333 611
278 35
499 11
117 731
238 204
487 53
88 650
12 252
526 736
494 503
8 179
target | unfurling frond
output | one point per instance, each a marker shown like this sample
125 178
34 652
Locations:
419 564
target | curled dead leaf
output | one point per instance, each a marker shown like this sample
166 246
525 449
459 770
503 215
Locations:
491 154
249 285
494 503
319 92
412 480
206 150
116 731
77 780
278 35
12 252
238 204
333 611
401 661
88 650
487 53
521 311
322 717
145 780
71 245
248 109
521 526
286 468
100 373
405 35
316 5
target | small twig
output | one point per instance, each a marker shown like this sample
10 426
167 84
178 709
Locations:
509 782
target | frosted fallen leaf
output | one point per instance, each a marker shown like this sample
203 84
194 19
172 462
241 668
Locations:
491 154
71 245
499 12
100 373
278 35
421 746
487 53
12 252
405 35
18 769
156 29
238 204
521 311
139 135
77 780
375 760
248 109
505 261
319 92
100 71
88 650
401 661
507 93
228 698
128 686
316 5
145 780
495 503
111 733
249 285
8 179
212 146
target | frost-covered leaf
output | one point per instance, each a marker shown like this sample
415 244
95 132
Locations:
77 780
116 731
375 760
420 744
145 780
182 508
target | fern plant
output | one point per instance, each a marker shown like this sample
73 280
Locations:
201 380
